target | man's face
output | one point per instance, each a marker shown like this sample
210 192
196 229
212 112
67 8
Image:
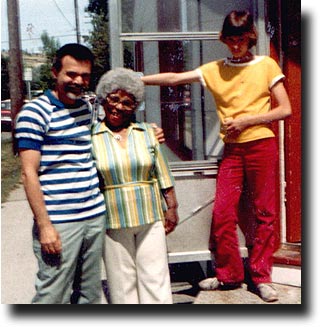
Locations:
72 79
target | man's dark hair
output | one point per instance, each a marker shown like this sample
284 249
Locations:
75 50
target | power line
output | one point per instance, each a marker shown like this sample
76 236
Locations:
61 12
38 38
77 28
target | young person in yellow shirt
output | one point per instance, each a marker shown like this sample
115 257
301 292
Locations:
242 87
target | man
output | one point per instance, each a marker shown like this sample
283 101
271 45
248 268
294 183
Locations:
61 182
53 134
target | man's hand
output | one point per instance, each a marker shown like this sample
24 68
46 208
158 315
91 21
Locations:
158 132
50 239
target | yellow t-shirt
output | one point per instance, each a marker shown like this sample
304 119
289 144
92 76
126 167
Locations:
240 90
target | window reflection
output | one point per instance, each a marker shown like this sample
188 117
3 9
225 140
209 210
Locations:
141 16
185 112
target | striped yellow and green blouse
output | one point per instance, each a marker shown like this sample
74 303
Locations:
132 176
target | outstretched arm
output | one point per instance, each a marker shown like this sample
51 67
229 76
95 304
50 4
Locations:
171 79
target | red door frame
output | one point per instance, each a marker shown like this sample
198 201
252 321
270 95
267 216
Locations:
284 18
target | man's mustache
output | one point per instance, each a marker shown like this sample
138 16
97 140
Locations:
73 87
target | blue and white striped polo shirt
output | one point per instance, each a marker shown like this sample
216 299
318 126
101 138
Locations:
67 172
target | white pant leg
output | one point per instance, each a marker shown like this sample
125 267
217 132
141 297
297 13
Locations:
137 266
119 259
152 266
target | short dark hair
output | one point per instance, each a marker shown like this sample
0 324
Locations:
237 23
75 50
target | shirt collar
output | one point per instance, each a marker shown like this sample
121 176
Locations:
101 127
255 60
56 102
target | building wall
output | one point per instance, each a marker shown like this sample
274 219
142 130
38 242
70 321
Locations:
185 38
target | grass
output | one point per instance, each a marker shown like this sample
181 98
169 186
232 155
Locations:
10 170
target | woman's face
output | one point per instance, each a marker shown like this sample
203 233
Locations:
119 107
238 45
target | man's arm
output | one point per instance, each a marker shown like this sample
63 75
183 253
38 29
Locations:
48 236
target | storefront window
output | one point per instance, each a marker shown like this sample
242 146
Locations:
186 112
147 16
176 35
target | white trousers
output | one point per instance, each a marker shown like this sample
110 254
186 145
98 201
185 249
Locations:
137 265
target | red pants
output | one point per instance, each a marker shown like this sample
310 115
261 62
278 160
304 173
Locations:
254 162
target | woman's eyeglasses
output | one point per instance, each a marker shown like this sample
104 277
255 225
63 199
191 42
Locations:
126 104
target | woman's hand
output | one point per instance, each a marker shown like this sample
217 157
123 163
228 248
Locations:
171 215
171 220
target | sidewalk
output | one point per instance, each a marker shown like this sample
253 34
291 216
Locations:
18 264
19 267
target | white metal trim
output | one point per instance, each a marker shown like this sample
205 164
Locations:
169 36
191 256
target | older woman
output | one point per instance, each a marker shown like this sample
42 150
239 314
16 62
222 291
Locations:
136 178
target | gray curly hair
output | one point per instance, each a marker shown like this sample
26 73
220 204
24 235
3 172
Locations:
120 79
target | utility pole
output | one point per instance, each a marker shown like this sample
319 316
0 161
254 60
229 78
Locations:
15 62
76 11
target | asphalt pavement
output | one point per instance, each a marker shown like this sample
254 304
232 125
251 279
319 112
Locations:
19 267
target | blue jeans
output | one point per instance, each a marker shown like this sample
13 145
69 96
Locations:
82 244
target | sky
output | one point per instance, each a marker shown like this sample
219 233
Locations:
57 17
